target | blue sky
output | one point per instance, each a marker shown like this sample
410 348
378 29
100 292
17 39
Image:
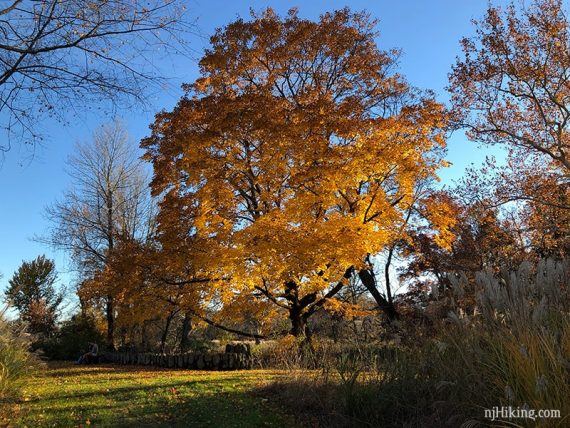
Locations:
428 32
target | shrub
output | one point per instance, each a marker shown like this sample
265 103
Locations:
72 338
290 352
281 353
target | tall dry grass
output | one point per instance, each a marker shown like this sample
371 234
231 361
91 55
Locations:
513 350
16 360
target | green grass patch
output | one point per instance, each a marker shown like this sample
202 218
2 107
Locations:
129 396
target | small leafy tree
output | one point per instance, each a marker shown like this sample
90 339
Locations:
33 294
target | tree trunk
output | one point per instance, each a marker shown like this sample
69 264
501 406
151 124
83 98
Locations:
165 334
186 329
387 275
110 324
300 309
369 281
144 341
298 322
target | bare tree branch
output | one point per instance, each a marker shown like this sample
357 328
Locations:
57 56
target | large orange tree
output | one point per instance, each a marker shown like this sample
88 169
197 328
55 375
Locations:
292 159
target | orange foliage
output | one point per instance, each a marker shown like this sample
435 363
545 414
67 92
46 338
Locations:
293 157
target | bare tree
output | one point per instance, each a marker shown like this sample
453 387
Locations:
109 201
57 56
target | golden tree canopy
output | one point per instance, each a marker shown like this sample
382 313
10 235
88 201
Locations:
293 156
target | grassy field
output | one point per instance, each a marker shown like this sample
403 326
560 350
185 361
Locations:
67 395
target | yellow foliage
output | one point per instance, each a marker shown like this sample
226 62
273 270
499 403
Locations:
294 156
346 310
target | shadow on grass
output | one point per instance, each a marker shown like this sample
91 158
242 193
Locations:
160 399
223 410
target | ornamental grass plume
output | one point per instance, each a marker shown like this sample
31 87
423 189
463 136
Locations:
16 360
530 295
